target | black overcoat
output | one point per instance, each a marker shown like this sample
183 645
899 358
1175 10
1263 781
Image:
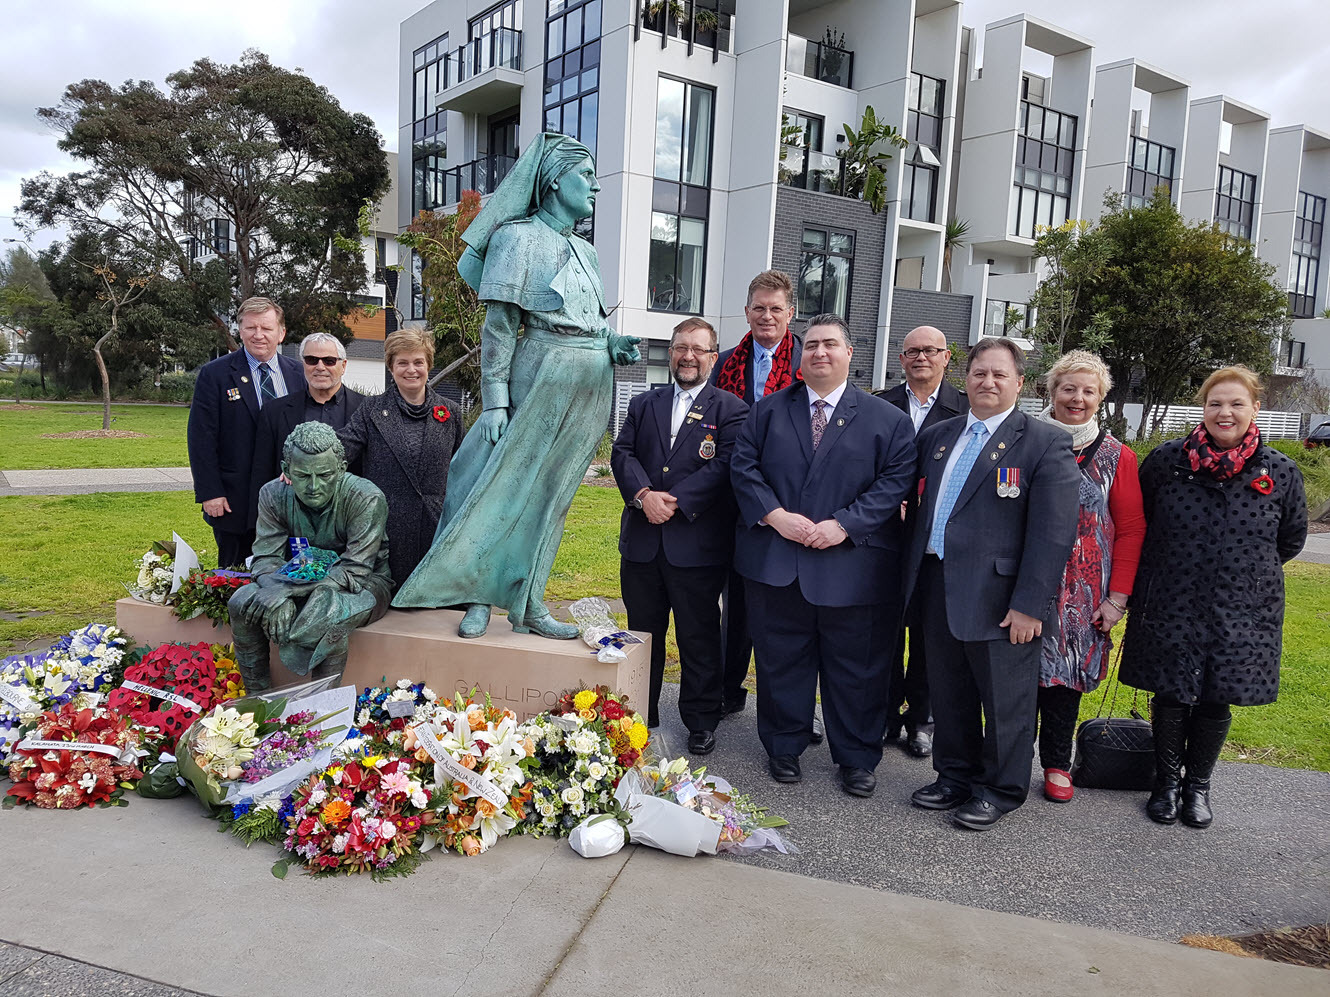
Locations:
1207 609
413 478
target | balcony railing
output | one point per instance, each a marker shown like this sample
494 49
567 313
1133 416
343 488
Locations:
481 175
501 48
819 61
808 169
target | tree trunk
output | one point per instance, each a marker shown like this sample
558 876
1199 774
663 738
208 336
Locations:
101 369
18 381
946 269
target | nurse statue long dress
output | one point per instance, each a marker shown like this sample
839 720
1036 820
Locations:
507 500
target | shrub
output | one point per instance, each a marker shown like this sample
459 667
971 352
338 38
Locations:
177 386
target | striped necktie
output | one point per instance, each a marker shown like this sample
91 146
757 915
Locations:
267 390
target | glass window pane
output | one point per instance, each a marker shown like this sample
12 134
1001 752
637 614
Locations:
572 63
553 70
554 119
591 53
1060 207
1067 133
1013 207
661 260
587 135
1044 212
842 242
590 79
913 97
572 28
815 239
669 128
813 133
692 251
570 87
836 286
695 201
592 26
697 164
665 196
1152 159
1166 163
1025 224
554 38
932 96
810 284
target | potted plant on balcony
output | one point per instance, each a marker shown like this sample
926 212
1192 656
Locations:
833 56
673 10
865 177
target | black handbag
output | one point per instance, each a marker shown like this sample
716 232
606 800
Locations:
1114 752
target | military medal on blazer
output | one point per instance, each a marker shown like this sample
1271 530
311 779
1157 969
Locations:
233 394
1009 482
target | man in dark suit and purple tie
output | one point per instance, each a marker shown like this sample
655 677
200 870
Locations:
991 528
820 471
676 538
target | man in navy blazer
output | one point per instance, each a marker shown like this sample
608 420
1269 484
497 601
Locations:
927 398
765 360
991 528
820 471
229 393
676 538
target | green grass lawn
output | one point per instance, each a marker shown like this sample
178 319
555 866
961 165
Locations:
65 557
23 445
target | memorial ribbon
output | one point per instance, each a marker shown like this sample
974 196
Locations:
170 697
429 739
15 698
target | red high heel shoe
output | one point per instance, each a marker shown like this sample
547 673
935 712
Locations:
1056 793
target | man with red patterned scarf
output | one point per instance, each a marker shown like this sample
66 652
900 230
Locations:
767 359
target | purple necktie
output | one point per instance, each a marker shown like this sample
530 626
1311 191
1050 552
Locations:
819 421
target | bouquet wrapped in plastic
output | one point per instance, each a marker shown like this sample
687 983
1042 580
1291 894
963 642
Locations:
310 564
685 812
156 575
599 631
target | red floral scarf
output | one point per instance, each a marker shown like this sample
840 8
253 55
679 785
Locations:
733 376
1220 464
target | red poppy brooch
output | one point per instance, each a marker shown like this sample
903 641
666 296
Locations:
441 413
1264 484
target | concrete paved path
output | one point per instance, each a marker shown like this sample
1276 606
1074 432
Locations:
152 890
1317 549
82 481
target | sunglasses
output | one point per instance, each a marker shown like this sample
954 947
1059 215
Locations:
327 361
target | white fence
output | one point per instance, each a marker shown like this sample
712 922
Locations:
624 391
1273 425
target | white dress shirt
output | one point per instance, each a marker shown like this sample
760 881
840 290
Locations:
919 410
991 424
832 398
683 401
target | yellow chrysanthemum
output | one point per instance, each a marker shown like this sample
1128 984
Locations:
585 699
638 736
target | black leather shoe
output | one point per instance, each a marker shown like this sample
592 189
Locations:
976 815
936 796
701 742
856 782
736 704
892 735
920 744
819 732
784 768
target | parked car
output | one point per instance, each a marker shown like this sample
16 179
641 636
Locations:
1318 437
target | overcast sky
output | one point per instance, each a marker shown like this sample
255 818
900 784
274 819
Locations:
1271 55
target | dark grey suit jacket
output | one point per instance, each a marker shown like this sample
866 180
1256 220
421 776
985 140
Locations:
1000 553
950 403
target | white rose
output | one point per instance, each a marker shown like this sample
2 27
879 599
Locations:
572 795
387 830
596 770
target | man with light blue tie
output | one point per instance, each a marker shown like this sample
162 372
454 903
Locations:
229 393
991 528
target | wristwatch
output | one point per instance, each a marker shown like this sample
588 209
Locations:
637 499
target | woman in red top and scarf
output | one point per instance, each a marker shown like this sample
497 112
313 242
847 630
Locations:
1223 513
1098 578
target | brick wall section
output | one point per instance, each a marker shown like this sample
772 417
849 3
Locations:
911 308
794 209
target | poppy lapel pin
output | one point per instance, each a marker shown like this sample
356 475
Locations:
1264 484
441 413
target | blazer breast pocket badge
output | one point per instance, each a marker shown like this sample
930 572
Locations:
708 448
233 394
1009 482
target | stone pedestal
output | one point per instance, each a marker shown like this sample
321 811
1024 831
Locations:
522 672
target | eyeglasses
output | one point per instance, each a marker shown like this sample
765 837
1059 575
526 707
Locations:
923 351
683 351
326 361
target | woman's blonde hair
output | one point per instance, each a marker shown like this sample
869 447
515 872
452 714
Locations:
1079 362
408 341
1242 375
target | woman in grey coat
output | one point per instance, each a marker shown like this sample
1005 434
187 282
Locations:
406 437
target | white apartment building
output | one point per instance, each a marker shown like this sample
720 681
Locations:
716 124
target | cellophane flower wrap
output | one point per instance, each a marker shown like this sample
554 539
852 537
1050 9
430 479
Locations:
59 779
77 669
369 813
483 739
384 713
155 576
208 593
744 825
213 749
583 749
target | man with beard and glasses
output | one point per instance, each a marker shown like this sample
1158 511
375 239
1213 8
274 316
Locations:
676 538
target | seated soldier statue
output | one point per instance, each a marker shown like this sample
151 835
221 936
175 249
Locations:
310 621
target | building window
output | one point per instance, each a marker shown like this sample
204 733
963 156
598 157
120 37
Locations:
1151 167
505 15
417 286
429 128
1235 202
923 126
824 272
572 69
1007 318
1305 268
680 197
1045 159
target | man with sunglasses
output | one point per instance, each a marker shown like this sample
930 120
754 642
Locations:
676 538
927 398
325 399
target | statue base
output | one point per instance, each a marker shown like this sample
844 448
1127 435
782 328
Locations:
522 672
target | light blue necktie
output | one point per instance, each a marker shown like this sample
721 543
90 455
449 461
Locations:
947 501
761 371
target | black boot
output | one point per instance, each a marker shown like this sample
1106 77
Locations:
1169 724
1205 739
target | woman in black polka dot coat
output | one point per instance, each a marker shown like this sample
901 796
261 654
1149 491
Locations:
1223 513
